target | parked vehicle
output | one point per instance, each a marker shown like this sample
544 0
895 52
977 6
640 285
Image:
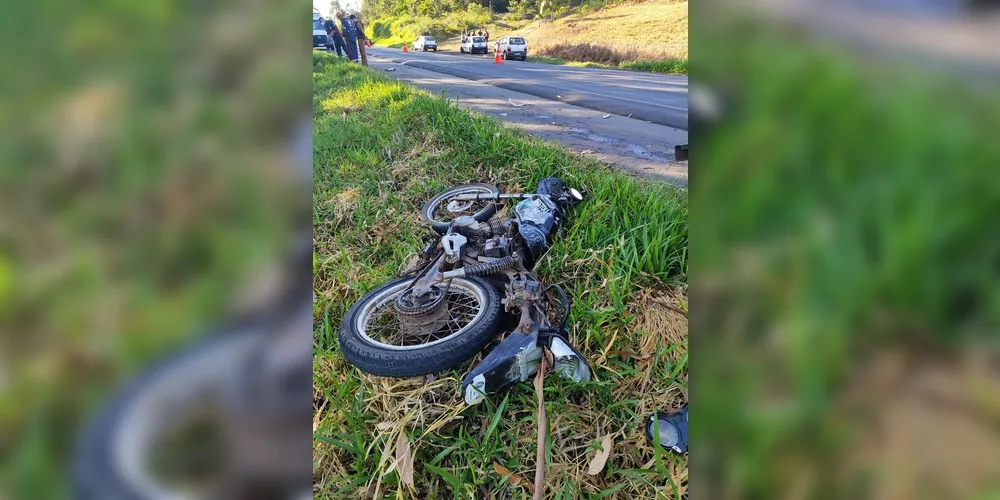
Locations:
321 40
513 47
425 43
449 304
474 44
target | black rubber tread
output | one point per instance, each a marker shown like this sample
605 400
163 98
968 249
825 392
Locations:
481 216
378 360
94 474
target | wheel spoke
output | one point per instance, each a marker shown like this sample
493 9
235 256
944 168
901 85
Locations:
475 206
382 323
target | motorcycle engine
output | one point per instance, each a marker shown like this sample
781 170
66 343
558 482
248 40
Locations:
536 220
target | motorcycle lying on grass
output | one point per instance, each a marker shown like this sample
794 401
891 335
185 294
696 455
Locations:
446 307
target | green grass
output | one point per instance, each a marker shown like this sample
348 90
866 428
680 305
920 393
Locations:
845 225
381 149
162 194
672 67
679 67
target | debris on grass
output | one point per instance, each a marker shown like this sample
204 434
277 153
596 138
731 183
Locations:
662 313
542 423
513 478
343 204
404 459
600 458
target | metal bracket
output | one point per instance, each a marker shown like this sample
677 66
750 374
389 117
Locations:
452 244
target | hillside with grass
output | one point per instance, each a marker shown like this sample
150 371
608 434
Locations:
649 31
650 36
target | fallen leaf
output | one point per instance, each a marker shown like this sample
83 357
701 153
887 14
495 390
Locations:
600 458
384 426
405 459
514 479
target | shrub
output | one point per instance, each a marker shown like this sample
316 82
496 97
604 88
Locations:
589 52
409 28
623 57
476 10
381 29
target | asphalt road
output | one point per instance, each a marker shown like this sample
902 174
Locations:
659 99
642 148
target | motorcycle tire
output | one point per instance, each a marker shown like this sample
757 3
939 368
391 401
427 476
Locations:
440 355
427 211
96 473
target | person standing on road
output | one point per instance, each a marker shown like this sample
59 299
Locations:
338 41
350 35
359 28
486 35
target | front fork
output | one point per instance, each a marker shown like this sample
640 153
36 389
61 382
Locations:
518 356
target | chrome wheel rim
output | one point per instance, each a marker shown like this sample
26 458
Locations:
378 324
445 208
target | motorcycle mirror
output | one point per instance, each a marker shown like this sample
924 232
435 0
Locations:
575 194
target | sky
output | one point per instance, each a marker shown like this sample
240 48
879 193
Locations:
324 5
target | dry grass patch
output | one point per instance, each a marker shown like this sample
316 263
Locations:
647 31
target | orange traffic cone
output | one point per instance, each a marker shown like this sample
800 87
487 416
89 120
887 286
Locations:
404 47
496 58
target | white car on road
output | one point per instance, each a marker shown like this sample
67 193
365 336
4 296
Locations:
321 40
424 43
474 44
513 47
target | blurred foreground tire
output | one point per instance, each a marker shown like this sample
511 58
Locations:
122 456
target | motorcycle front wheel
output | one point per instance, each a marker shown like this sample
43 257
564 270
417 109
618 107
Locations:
384 336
